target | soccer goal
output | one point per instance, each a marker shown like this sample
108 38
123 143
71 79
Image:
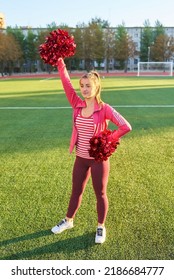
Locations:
155 69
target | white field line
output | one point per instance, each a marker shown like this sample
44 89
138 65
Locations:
46 79
67 107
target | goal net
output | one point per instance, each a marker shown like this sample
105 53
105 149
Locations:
155 69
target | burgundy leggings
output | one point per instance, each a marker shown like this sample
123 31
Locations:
99 171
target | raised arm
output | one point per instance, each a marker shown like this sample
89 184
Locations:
71 94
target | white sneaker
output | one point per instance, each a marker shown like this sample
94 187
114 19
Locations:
63 225
100 236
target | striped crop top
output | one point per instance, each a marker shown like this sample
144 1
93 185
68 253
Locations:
85 129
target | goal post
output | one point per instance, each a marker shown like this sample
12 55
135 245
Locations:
155 68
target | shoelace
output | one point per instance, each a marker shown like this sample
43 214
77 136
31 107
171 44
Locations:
61 223
99 231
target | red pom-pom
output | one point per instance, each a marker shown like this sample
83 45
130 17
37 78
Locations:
102 146
58 44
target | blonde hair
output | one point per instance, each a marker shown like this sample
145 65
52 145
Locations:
94 77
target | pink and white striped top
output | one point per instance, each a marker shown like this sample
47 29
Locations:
85 128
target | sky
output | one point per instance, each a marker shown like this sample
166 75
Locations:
133 13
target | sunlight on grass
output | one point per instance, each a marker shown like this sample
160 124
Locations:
114 83
29 85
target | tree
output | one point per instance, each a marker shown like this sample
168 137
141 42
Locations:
96 33
109 41
101 22
163 48
30 54
41 36
124 47
158 30
78 38
96 43
147 39
88 50
155 44
20 39
51 26
10 52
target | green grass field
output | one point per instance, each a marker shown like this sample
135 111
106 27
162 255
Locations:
35 173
